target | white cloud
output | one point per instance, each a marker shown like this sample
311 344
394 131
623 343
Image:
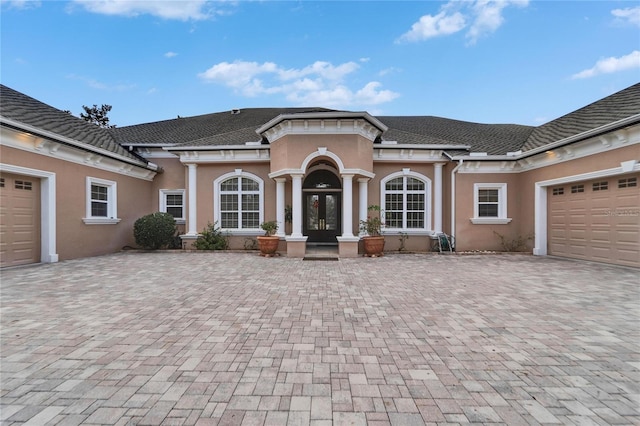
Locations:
320 83
481 17
170 55
629 15
21 4
194 10
433 26
611 65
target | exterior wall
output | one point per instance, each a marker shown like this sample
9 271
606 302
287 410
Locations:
208 173
471 236
521 197
173 176
290 151
75 238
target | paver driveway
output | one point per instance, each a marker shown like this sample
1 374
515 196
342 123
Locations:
227 338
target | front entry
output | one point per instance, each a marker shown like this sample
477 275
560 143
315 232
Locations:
322 216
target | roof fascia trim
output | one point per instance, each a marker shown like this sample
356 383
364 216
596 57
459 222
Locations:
321 115
17 125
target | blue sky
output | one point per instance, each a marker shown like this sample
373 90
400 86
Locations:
524 62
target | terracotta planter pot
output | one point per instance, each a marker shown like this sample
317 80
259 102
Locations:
373 246
268 245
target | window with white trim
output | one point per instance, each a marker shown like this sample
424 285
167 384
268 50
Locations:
101 205
406 199
239 201
490 203
172 201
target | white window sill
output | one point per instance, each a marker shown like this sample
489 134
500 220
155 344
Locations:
409 231
180 221
490 220
100 220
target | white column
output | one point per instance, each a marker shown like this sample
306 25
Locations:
296 198
192 186
347 205
437 197
280 205
363 203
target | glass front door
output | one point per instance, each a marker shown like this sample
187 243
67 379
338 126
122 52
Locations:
322 216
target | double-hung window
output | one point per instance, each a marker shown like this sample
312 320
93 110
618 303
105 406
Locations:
406 198
172 201
239 201
490 203
101 204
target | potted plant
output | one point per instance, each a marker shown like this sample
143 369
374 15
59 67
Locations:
268 243
372 240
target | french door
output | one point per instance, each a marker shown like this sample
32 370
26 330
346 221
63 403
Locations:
322 216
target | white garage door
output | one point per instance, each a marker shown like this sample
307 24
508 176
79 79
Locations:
19 220
596 220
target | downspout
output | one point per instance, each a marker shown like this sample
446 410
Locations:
453 199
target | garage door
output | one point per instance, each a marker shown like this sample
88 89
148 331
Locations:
19 220
596 220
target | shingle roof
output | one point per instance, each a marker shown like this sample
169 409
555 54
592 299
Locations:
618 106
489 138
24 109
221 128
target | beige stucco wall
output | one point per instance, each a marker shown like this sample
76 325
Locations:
520 197
289 152
74 238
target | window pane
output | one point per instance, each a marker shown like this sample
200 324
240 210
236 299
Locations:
98 209
250 220
393 202
98 192
174 199
488 210
414 184
250 185
393 219
229 185
175 212
415 219
394 184
229 220
229 202
250 202
488 195
415 201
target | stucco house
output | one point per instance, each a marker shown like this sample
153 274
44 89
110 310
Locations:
567 188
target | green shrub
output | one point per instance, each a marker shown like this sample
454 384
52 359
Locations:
155 230
212 239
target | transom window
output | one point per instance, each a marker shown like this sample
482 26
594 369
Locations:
558 191
406 198
239 201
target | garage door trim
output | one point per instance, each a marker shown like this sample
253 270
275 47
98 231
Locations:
540 201
48 208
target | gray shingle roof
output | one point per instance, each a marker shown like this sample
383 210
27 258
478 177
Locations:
26 110
221 128
618 106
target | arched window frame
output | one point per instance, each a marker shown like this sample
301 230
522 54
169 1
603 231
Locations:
217 201
407 173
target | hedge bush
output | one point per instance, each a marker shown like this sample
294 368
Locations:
155 231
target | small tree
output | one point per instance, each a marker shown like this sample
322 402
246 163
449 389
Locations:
212 238
155 230
97 115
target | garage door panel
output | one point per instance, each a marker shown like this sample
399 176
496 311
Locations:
19 220
602 223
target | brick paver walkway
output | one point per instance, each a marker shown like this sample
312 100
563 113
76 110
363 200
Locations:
225 338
